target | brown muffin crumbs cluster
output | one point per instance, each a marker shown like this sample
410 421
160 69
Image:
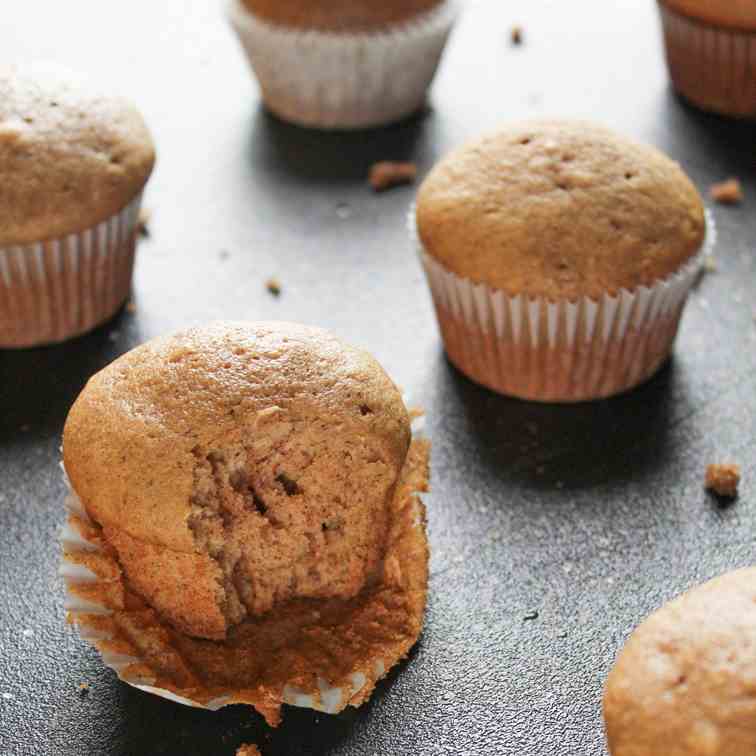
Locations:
248 749
727 192
386 174
723 479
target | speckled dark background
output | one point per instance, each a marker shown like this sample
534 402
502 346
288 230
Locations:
591 515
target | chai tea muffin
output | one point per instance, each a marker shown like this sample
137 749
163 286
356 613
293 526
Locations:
252 484
711 53
684 683
74 162
342 64
559 256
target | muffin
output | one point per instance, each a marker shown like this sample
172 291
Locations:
559 256
343 64
246 502
75 162
711 48
683 685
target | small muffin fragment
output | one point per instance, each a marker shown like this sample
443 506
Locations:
683 685
723 479
387 174
728 192
248 749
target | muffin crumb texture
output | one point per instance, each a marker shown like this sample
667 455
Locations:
248 749
723 479
236 468
683 684
387 174
728 192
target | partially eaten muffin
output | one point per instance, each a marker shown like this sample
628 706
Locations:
235 471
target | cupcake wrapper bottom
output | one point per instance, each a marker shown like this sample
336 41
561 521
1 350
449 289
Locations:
714 68
136 646
344 81
558 351
60 288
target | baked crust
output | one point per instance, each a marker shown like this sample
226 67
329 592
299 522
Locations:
684 682
340 15
560 210
730 14
72 156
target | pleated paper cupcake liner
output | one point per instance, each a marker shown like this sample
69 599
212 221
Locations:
713 67
57 289
561 351
332 80
148 654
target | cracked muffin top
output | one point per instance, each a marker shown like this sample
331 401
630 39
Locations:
560 210
238 466
70 155
340 15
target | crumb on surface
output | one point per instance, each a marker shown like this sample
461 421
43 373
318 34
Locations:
83 688
727 192
723 479
248 749
130 306
710 264
145 215
516 35
273 285
386 174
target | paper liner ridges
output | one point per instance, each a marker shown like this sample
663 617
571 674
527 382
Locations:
60 288
338 80
713 67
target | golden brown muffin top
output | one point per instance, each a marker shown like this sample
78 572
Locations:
339 15
684 683
732 14
131 440
559 209
70 156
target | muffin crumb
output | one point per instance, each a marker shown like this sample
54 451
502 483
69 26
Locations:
723 479
516 35
727 192
145 216
273 285
131 306
83 688
710 264
386 174
248 749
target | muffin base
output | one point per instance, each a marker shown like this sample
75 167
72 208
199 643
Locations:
332 80
712 67
57 289
323 655
560 351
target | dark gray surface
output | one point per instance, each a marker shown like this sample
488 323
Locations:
616 522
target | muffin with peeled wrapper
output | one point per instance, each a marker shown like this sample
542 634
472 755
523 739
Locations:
245 525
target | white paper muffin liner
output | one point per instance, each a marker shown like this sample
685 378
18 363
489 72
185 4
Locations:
332 80
56 289
561 351
329 699
713 67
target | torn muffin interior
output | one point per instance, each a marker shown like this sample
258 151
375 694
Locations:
288 507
